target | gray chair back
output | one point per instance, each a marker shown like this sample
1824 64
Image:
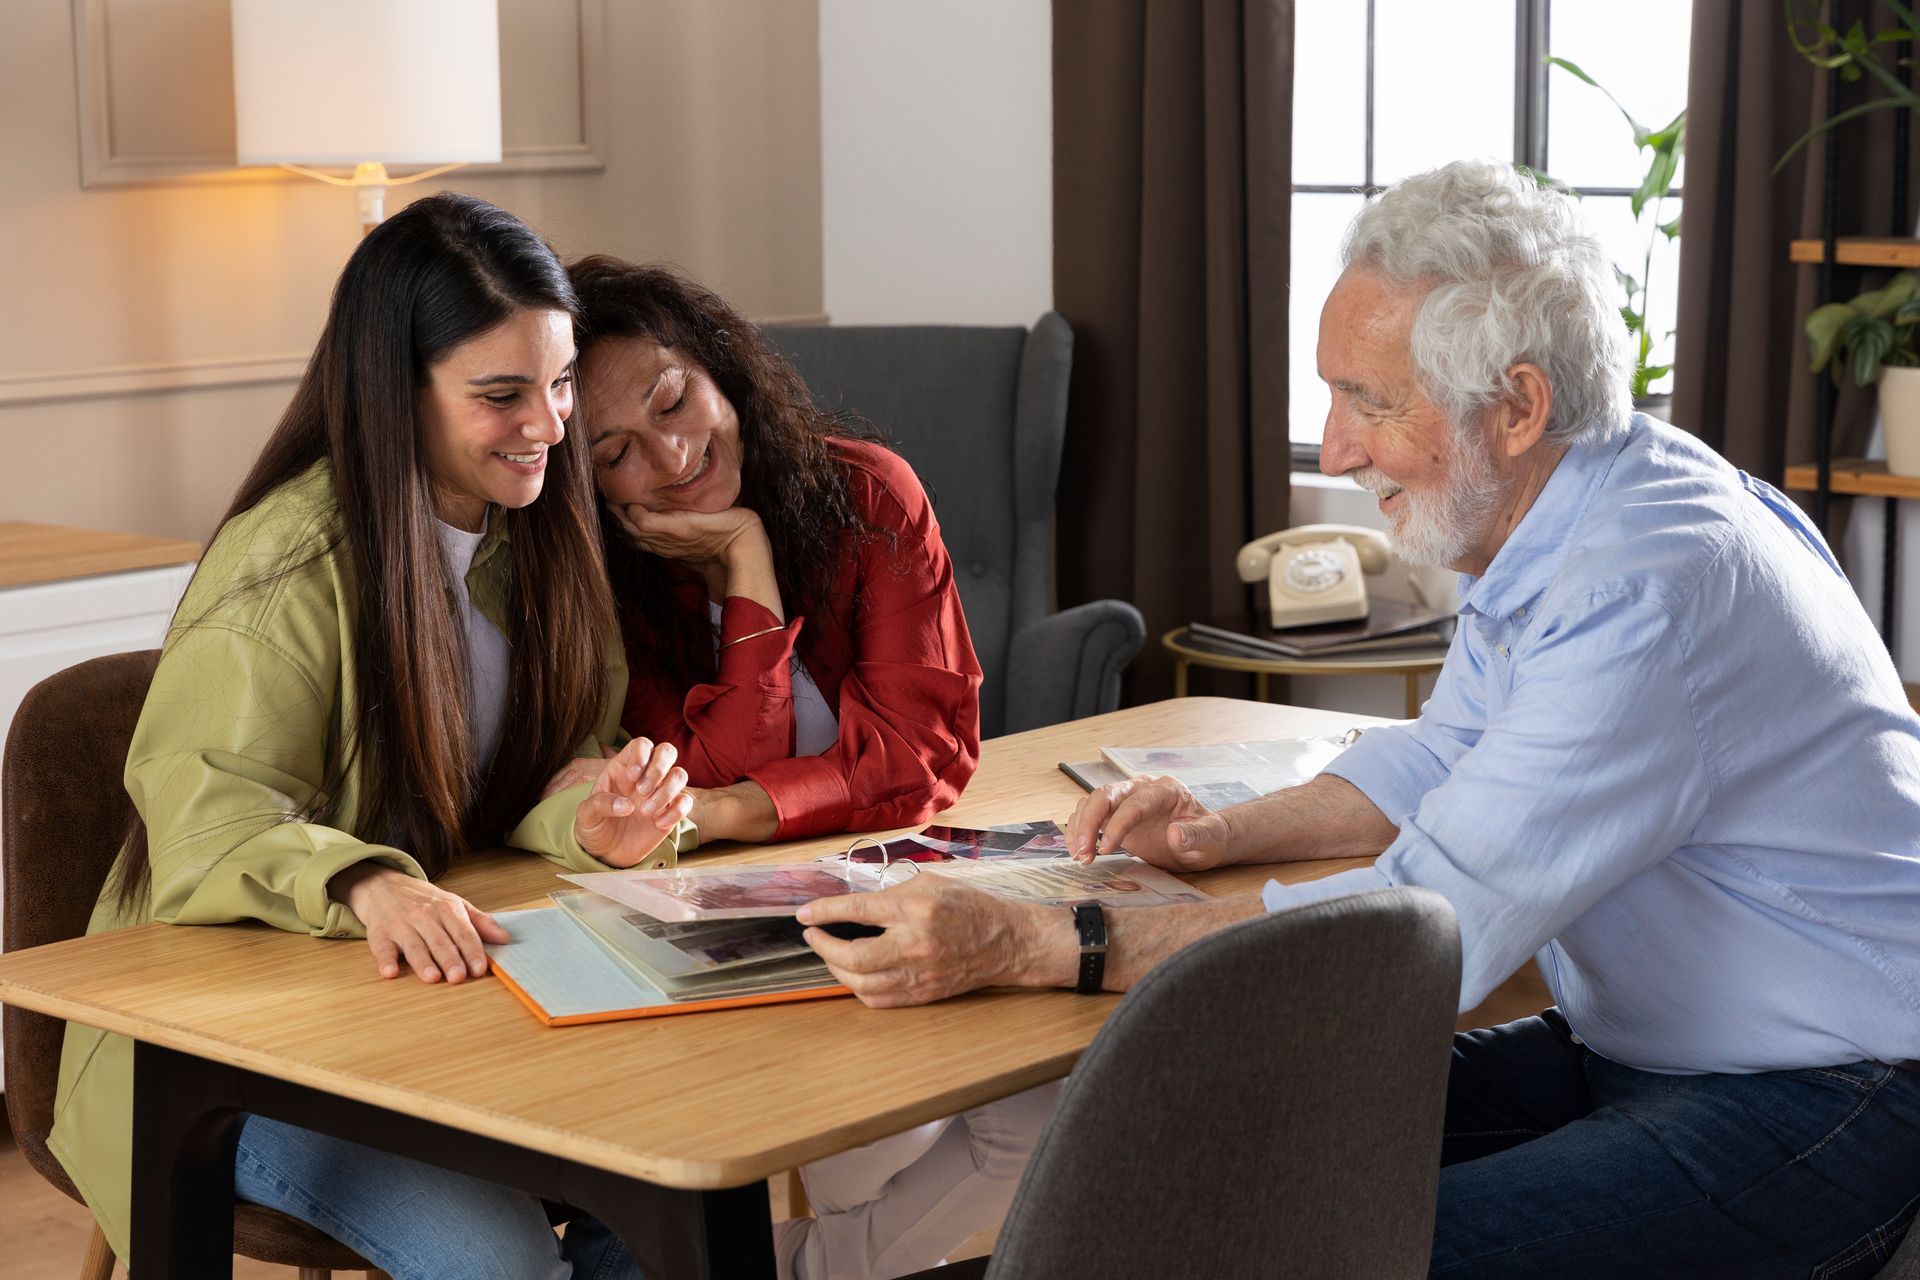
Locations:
980 414
1267 1103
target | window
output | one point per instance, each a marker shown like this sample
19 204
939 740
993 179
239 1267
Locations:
1388 88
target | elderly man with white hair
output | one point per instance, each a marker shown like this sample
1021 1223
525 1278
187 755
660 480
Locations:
1667 756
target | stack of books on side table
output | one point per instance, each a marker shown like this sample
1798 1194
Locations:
1390 626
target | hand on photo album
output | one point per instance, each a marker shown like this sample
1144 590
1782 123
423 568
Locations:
1155 819
939 939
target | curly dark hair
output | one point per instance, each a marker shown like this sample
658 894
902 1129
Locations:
789 476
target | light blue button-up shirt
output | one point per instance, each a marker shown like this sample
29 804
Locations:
1668 755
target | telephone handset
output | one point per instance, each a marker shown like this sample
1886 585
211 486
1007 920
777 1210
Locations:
1315 572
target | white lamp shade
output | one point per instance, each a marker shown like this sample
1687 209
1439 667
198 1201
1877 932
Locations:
340 82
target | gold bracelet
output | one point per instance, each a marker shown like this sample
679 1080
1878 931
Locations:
754 635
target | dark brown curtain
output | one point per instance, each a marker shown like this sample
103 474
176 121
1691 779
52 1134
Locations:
1740 380
1172 141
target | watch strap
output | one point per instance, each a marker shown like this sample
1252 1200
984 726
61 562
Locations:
1090 922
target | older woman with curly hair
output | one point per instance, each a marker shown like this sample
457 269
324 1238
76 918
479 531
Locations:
788 606
793 634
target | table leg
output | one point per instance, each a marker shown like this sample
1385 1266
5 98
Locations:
185 1131
1179 676
186 1126
1260 686
1413 695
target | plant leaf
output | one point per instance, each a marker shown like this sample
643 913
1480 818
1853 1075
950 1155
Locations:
1659 179
1671 230
1905 15
1824 328
1639 130
1829 123
1633 318
1870 343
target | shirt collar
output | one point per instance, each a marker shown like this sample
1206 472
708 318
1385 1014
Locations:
1533 553
493 538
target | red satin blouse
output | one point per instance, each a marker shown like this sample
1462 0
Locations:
891 656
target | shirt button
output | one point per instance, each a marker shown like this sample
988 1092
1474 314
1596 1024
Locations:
1500 649
1521 612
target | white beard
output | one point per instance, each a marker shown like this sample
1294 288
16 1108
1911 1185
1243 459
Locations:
1441 528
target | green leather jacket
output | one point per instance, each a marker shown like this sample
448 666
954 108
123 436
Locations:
254 700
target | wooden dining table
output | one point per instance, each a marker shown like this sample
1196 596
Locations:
665 1128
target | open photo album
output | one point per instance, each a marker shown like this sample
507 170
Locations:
636 944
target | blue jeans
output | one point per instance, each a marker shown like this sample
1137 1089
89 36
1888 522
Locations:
412 1220
1559 1163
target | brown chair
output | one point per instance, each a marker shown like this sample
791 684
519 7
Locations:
64 811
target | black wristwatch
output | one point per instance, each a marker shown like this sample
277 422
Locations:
1091 922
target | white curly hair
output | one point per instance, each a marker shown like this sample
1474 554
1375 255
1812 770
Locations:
1516 276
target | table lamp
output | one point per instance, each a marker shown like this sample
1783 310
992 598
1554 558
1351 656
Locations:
366 84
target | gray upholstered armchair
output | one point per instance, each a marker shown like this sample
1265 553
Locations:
980 413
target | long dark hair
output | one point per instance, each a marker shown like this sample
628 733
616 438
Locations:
789 475
441 271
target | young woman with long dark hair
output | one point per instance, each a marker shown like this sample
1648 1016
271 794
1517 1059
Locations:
793 630
399 631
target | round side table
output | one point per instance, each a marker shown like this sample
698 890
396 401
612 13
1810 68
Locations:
1411 663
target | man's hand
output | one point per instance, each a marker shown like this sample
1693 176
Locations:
639 797
942 938
439 933
1155 819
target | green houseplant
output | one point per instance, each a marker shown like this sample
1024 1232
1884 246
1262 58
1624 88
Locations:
1664 148
1852 54
1874 337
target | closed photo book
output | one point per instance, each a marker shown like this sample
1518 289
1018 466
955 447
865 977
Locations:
1389 625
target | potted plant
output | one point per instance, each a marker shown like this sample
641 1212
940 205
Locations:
1873 336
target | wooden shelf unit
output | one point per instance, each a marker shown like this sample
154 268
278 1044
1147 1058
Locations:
1861 251
1855 476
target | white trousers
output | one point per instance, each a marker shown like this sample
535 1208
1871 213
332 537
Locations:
902 1204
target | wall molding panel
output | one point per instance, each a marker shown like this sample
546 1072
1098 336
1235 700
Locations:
113 382
110 382
565 133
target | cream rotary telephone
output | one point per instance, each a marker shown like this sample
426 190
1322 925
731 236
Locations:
1315 572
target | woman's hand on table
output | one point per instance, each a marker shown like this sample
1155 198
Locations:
638 799
942 938
439 934
1157 820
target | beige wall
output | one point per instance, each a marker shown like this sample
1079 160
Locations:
705 116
